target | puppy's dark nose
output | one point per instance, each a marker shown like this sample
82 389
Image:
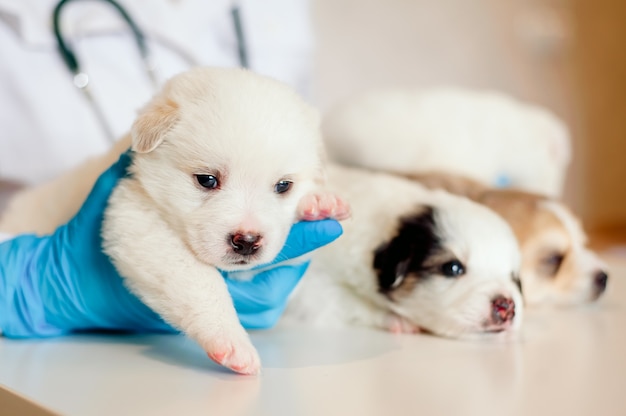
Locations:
245 244
502 310
599 282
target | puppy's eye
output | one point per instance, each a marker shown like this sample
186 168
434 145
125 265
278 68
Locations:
208 181
282 186
553 262
452 268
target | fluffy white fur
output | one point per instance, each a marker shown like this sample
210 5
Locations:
167 233
483 135
342 285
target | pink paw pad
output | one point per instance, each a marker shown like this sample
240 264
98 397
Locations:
243 363
399 325
321 206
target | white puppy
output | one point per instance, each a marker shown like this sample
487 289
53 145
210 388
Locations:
412 258
484 135
224 163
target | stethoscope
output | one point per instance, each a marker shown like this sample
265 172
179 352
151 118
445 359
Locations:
81 78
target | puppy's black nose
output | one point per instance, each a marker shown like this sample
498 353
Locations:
502 310
245 244
599 282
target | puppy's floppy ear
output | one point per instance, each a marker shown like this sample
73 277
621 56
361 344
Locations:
391 261
415 240
153 123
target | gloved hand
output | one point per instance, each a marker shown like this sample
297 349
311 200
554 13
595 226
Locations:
57 284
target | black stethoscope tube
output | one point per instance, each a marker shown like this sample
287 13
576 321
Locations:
241 40
81 79
70 57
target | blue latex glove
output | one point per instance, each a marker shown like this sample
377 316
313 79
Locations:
57 284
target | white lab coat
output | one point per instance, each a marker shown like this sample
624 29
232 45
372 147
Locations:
47 125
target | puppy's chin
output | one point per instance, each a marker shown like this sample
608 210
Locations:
236 263
229 261
480 311
560 299
478 332
510 334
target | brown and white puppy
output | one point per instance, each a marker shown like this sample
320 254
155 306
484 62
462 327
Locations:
412 258
224 162
557 265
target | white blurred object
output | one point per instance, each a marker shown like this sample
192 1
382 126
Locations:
484 135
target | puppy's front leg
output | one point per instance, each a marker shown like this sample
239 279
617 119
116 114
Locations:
190 295
196 301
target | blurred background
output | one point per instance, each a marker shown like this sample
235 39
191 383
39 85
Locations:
565 55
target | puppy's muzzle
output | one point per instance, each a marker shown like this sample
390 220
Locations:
245 244
502 313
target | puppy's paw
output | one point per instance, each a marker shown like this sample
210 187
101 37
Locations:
234 352
397 324
322 205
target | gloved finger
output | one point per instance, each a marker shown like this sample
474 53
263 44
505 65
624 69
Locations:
306 236
267 290
106 182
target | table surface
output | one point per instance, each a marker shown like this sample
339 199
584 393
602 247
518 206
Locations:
566 362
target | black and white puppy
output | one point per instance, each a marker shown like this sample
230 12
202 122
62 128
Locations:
412 259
